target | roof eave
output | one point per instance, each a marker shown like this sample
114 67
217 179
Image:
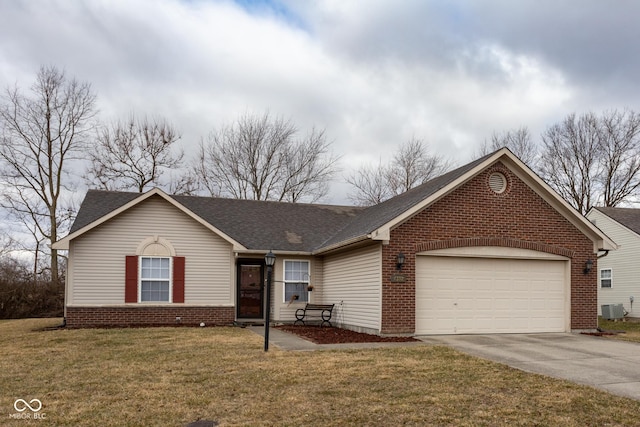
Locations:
600 240
262 252
602 245
635 233
340 245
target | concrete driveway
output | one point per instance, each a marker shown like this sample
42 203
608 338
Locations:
603 363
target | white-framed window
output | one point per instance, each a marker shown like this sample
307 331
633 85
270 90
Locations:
155 279
296 281
606 278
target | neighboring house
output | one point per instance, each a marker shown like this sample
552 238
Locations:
618 274
487 248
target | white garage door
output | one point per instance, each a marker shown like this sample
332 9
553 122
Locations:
460 295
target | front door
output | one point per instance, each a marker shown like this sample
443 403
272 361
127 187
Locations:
250 289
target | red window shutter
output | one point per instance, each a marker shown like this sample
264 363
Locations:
131 279
178 279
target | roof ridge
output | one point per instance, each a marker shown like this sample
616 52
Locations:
282 202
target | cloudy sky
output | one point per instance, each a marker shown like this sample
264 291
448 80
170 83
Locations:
373 73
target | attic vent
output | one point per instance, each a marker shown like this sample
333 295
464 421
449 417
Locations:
497 183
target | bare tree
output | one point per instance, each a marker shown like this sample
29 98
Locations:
371 185
619 172
517 140
259 158
569 159
411 166
309 168
593 159
27 220
134 154
41 133
7 243
184 182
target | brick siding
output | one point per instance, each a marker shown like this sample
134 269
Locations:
473 215
87 317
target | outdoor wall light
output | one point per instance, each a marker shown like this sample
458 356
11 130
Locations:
587 266
270 259
399 261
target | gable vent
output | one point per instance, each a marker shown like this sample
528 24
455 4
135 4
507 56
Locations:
497 183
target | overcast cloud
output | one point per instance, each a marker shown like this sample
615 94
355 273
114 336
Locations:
372 73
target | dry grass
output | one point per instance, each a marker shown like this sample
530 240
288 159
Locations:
630 327
169 377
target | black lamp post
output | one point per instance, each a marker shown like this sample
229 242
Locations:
269 260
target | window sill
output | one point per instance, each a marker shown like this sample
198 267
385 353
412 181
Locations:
149 303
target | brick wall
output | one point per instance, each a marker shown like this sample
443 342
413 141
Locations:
473 215
84 317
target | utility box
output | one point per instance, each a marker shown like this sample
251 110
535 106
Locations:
612 311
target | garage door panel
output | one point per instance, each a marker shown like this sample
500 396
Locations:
520 305
502 303
540 304
501 284
441 322
446 285
489 295
466 324
556 306
485 304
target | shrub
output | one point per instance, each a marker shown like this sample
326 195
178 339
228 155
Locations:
21 296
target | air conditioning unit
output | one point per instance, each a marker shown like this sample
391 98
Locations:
612 311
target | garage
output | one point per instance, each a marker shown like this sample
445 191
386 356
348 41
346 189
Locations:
481 295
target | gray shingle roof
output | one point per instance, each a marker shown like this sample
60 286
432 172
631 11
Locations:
380 214
97 204
264 225
254 224
271 225
629 217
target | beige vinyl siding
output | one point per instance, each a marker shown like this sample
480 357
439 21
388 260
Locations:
97 273
353 281
317 280
623 263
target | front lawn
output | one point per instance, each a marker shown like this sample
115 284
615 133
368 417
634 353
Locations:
630 329
173 376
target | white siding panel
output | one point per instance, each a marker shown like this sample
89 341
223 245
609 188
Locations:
317 279
624 264
99 255
353 282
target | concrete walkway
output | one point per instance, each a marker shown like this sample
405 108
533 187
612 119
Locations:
610 365
603 363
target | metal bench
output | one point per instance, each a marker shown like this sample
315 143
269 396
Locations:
318 311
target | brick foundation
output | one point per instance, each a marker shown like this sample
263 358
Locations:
473 215
88 317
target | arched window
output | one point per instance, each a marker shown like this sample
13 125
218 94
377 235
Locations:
155 274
